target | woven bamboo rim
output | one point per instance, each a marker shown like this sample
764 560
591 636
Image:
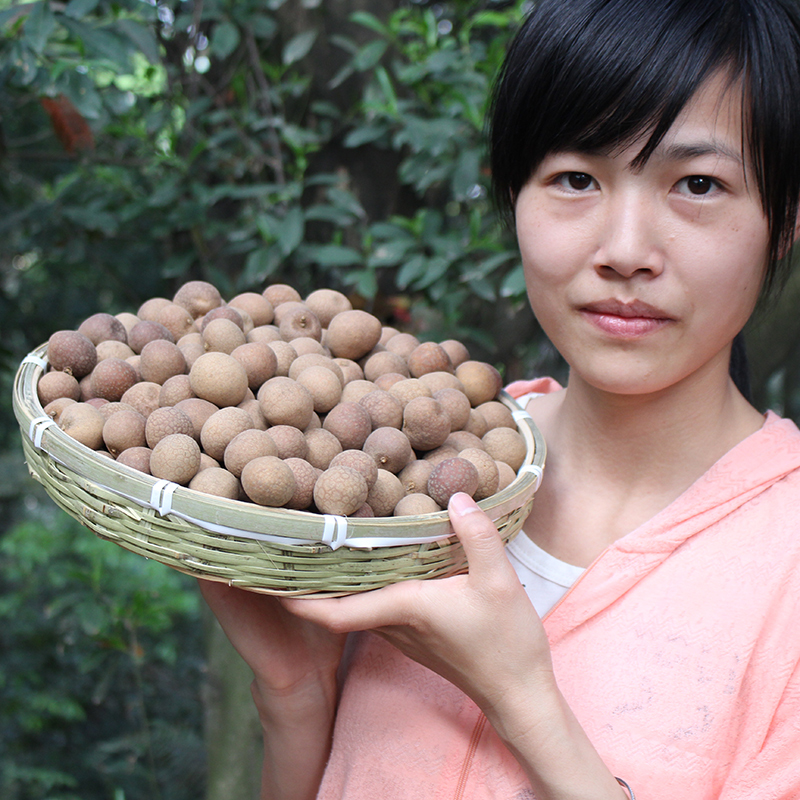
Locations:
274 551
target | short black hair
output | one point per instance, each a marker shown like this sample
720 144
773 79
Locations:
598 74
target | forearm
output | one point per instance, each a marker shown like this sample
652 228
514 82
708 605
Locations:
297 732
547 740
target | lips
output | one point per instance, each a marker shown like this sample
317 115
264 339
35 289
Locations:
625 319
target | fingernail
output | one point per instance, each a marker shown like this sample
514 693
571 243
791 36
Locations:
462 504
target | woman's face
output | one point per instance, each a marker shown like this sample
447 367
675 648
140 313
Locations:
642 277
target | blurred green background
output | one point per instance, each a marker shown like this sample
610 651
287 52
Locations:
145 143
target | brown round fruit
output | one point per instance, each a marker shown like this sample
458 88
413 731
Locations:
340 490
451 476
352 334
165 421
72 352
175 458
350 423
284 401
425 423
219 378
111 378
482 382
268 481
197 297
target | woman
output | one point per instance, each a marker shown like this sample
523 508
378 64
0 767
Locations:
649 154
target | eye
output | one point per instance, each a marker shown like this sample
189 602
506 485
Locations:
697 185
576 181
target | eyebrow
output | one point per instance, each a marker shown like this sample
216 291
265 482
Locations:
689 150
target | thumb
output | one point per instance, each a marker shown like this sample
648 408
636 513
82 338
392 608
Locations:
478 535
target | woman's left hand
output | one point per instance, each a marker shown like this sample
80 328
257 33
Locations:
478 630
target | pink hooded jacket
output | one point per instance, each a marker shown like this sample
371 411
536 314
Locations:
678 650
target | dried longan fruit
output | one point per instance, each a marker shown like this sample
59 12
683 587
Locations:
403 344
350 423
278 293
488 474
351 370
414 476
123 430
222 336
233 315
413 504
198 411
165 421
428 357
327 303
128 320
111 378
53 385
300 322
283 310
102 327
84 423
71 352
482 381
137 458
192 347
385 494
436 381
303 362
387 332
259 362
390 448
244 447
268 481
451 476
150 308
506 475
323 386
175 458
497 415
352 334
143 396
176 319
160 360
256 305
305 476
456 405
439 454
407 389
503 444
284 401
477 423
461 440
145 331
265 334
113 348
221 428
389 379
382 362
216 481
384 409
290 441
219 378
322 447
303 345
54 408
457 351
426 423
197 297
360 461
340 490
355 390
174 389
285 355
251 406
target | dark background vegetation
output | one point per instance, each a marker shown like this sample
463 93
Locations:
144 143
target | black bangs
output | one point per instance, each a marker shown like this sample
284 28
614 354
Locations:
595 75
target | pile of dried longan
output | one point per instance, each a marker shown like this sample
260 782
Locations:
287 402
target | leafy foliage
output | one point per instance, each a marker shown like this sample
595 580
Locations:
97 693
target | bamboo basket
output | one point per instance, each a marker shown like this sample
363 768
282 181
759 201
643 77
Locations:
274 551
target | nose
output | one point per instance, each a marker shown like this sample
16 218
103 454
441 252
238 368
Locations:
629 238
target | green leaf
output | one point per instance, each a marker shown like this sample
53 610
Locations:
99 42
370 21
225 39
39 25
78 9
263 27
332 255
412 270
364 134
514 283
142 37
369 55
260 264
298 47
291 231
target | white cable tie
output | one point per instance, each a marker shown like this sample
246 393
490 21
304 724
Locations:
37 429
536 470
520 413
32 358
165 505
334 531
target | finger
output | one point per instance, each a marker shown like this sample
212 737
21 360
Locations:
389 605
478 535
